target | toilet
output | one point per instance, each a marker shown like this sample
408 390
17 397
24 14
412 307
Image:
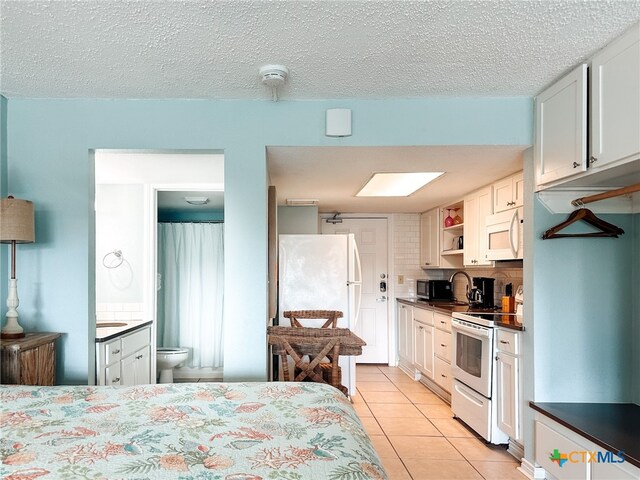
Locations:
167 358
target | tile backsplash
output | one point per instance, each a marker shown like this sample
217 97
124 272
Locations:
119 311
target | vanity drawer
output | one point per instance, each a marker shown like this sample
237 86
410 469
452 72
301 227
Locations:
135 341
112 351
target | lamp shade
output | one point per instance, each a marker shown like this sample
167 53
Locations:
16 221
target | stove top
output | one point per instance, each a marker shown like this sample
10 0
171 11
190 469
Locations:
493 319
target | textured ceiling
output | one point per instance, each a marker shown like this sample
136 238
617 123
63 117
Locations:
344 49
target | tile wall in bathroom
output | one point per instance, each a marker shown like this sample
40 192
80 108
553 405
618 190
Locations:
119 311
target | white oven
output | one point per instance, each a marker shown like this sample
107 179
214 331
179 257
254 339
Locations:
472 356
473 370
504 235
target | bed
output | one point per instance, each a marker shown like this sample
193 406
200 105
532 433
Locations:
225 431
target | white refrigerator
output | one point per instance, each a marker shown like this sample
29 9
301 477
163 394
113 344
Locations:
322 272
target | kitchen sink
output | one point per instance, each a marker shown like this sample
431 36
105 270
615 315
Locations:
110 324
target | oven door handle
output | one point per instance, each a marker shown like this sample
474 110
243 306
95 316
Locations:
464 394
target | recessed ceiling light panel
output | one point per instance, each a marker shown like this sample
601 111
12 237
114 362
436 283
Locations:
197 200
396 184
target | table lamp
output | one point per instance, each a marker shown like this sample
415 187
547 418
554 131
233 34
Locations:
16 226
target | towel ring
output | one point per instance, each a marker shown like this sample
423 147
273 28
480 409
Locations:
119 258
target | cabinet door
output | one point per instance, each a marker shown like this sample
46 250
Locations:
112 374
518 190
423 349
508 398
560 148
476 207
615 101
503 195
128 370
404 332
429 238
143 366
470 252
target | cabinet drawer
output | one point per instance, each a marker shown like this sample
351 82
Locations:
442 373
443 344
423 316
112 351
546 443
442 321
135 341
508 342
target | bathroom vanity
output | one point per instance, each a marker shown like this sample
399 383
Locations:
123 353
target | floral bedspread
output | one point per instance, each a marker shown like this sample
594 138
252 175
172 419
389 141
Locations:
226 431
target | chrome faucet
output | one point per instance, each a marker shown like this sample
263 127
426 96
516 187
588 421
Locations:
469 289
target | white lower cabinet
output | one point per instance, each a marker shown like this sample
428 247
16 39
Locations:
509 385
423 348
405 334
125 360
442 373
555 442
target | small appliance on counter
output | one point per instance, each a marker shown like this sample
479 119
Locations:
519 300
482 292
434 290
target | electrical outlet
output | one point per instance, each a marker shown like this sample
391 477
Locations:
400 279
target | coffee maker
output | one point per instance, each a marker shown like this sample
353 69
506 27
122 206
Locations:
483 287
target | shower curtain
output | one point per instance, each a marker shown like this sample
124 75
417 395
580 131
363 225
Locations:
190 297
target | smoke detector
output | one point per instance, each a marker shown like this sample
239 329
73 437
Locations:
274 76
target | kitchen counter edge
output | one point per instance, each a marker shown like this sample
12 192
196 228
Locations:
613 426
456 308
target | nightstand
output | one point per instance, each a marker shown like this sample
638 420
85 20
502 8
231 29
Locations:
30 360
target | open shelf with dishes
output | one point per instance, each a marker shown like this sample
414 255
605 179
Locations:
451 240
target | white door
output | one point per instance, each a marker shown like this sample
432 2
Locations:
373 320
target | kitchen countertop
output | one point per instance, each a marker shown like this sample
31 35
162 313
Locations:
513 322
613 426
104 334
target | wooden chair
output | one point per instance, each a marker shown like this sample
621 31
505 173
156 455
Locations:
317 344
331 321
331 317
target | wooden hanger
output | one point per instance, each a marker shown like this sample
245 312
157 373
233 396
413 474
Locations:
606 229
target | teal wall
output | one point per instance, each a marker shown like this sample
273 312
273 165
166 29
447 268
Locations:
49 162
583 313
4 272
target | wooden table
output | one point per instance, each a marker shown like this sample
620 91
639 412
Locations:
30 360
318 344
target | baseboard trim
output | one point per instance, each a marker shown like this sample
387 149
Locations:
515 449
531 471
209 373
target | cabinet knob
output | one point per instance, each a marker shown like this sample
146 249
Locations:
138 357
442 345
576 164
117 350
504 341
443 375
115 380
593 159
427 263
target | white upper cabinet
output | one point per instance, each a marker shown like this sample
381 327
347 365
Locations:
477 206
430 239
615 102
508 193
560 149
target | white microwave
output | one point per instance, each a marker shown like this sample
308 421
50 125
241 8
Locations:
504 235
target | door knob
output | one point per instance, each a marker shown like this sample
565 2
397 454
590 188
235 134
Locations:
383 298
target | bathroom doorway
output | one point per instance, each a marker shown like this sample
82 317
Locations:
126 222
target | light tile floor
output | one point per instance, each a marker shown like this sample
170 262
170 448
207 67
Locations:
416 436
